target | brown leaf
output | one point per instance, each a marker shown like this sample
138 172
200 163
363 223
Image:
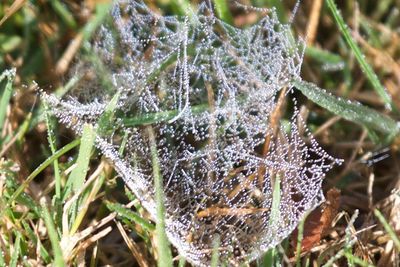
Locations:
319 221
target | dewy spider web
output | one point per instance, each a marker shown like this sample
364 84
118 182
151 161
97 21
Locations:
207 89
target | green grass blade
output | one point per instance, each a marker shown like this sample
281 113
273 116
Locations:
131 215
182 262
323 56
163 116
357 260
6 96
24 127
54 240
17 250
27 201
183 8
44 254
164 251
52 143
388 229
367 69
351 111
269 258
280 9
9 43
77 178
223 12
84 204
271 255
105 123
215 252
300 230
276 201
78 175
64 13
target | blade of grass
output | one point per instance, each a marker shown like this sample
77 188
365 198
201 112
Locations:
223 12
54 240
280 9
182 262
6 96
9 43
367 69
82 37
276 201
150 118
351 111
388 228
105 123
357 260
130 215
17 250
215 252
183 8
52 143
163 247
64 13
78 174
300 230
44 254
270 256
101 14
103 127
323 56
23 199
85 201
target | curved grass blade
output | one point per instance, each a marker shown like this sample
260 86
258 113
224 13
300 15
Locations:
130 215
351 111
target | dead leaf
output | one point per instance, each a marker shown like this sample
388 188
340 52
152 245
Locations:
319 221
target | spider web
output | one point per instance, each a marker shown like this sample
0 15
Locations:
207 90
